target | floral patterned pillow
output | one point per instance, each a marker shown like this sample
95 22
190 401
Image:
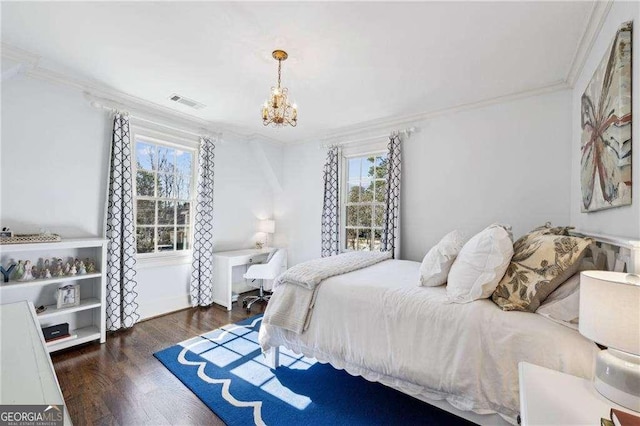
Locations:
542 260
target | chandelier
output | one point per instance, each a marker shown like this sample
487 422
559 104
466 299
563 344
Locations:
277 110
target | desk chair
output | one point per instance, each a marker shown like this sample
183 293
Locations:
266 271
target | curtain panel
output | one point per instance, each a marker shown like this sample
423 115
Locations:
330 230
202 267
391 224
122 308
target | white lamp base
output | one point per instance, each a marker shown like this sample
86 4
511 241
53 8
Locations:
617 378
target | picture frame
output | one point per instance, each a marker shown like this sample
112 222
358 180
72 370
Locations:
68 296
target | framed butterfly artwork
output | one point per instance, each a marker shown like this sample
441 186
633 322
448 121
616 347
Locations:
605 162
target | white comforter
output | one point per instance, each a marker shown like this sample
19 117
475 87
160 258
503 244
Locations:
375 322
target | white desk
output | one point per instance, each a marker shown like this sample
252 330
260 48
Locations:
228 268
549 397
27 376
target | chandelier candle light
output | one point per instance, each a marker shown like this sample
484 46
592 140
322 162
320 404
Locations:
277 110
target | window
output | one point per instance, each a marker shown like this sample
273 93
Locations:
364 195
164 193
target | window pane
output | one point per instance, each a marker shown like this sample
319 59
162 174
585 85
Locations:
364 216
366 191
166 159
381 167
183 162
145 156
352 216
364 239
377 239
182 241
166 188
381 191
183 186
146 212
368 168
165 238
354 169
351 239
378 216
354 193
145 183
184 213
166 211
144 240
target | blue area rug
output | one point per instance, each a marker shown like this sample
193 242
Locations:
227 371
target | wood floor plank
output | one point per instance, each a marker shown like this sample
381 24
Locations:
121 383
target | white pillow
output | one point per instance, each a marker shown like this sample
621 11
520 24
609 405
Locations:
437 263
563 304
480 265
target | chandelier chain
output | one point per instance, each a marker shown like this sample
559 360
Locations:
279 71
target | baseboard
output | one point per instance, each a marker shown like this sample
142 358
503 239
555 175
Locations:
166 305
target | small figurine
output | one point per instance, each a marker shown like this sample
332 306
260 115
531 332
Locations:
67 268
57 269
35 272
27 276
73 270
82 270
47 273
18 274
91 267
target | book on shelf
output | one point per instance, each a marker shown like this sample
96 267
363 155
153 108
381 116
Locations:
622 418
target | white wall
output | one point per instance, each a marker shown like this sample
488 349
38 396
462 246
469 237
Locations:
622 221
507 163
54 173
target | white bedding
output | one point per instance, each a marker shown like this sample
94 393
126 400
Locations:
377 323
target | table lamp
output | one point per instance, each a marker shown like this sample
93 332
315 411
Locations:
610 316
267 226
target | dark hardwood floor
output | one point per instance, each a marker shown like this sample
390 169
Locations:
120 382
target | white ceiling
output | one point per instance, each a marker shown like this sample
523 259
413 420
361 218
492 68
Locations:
348 62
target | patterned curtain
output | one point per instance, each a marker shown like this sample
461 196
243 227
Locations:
331 205
391 225
122 309
202 267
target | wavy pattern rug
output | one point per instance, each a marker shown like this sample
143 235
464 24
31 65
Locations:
227 371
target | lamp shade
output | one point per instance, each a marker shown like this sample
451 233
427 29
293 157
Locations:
268 226
610 309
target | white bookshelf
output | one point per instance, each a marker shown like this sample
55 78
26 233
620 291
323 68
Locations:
87 321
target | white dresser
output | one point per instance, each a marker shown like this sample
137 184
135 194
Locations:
27 376
228 268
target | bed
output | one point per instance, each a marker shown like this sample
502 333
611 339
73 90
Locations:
375 322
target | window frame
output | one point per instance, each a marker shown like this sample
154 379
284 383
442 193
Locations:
371 150
159 138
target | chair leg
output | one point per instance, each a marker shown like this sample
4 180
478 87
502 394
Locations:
248 301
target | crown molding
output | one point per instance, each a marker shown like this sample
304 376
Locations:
100 95
599 13
19 55
393 123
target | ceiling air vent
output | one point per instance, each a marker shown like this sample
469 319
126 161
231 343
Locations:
186 101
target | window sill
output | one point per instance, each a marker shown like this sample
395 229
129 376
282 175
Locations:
157 261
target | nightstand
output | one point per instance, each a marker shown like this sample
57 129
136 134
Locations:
549 397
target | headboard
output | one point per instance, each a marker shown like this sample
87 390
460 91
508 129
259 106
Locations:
613 253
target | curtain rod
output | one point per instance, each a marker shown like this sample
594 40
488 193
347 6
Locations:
406 132
205 132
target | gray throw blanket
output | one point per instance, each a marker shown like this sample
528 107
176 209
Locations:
294 291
